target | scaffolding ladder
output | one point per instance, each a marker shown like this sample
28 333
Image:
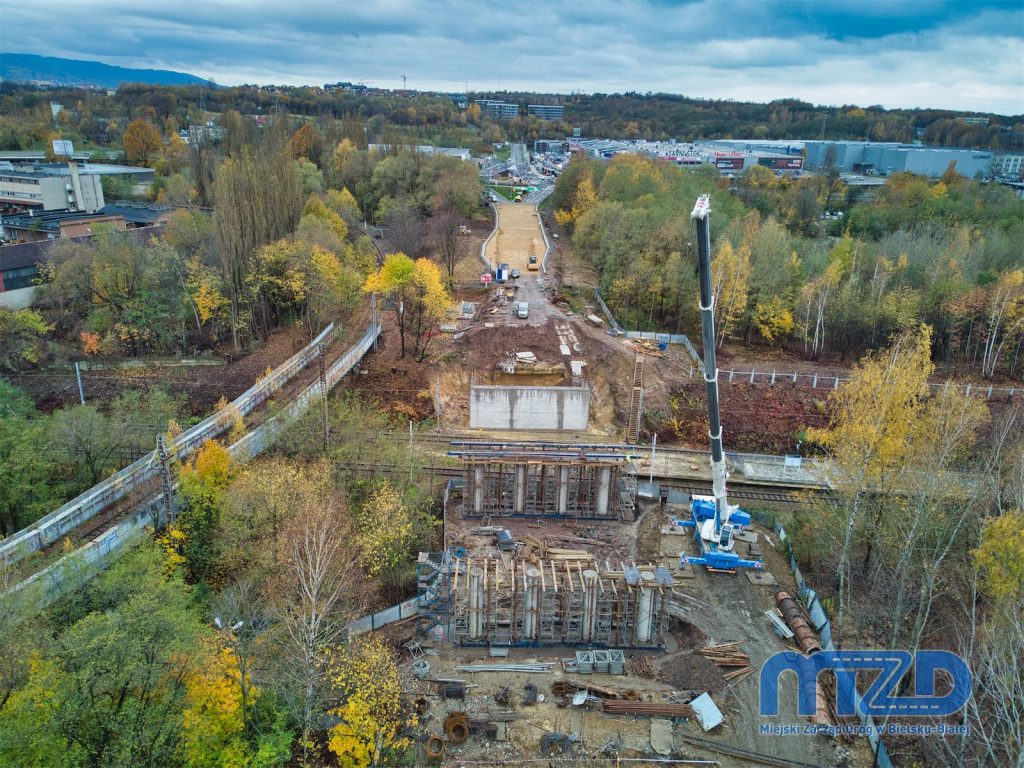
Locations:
636 401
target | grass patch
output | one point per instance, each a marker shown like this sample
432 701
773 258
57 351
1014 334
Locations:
506 192
504 153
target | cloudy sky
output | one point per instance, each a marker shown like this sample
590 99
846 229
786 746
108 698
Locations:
963 54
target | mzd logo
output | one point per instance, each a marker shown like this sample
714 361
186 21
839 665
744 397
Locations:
881 697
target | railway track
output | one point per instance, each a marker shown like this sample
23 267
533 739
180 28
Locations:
100 523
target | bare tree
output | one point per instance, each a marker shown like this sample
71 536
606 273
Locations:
403 226
320 594
446 240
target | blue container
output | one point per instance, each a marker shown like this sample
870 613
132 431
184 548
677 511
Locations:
662 339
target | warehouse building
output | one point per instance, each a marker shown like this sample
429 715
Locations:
884 158
32 187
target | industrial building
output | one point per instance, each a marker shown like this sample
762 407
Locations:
41 187
1008 167
884 158
499 110
52 225
546 111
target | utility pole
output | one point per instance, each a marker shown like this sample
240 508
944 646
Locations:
321 364
78 375
654 444
165 476
410 451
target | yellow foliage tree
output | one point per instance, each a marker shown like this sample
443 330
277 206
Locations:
373 719
142 142
1000 557
585 199
773 318
213 732
385 531
873 418
315 206
730 273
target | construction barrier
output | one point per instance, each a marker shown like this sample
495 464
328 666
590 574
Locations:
382 618
81 564
57 524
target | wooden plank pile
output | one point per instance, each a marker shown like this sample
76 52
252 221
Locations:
728 655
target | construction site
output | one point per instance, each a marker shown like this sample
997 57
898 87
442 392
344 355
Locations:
578 615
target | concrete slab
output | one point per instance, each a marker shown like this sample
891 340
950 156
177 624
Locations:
761 578
661 736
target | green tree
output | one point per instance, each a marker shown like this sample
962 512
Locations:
21 335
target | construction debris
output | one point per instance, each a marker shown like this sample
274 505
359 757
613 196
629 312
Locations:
708 714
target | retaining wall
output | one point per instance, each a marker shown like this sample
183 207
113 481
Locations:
528 408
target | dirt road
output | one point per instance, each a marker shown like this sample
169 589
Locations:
518 238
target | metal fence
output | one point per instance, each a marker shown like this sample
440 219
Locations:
80 565
823 627
382 618
63 520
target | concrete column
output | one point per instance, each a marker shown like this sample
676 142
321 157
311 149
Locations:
604 486
589 605
645 610
520 505
478 489
563 490
531 603
476 603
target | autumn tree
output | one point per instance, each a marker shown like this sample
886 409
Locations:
190 541
430 302
373 721
394 280
730 272
142 142
872 417
21 336
1005 320
307 142
257 199
319 591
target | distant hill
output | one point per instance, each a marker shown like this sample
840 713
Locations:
27 67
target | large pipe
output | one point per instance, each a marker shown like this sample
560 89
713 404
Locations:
520 502
701 215
791 612
604 485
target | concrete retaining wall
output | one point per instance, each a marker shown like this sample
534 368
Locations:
530 408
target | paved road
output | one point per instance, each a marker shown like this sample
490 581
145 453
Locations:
519 237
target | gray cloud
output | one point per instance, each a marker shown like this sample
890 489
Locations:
938 53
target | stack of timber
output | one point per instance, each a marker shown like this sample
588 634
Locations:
648 708
728 655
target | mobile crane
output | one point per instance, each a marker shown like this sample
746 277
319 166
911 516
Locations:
714 521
